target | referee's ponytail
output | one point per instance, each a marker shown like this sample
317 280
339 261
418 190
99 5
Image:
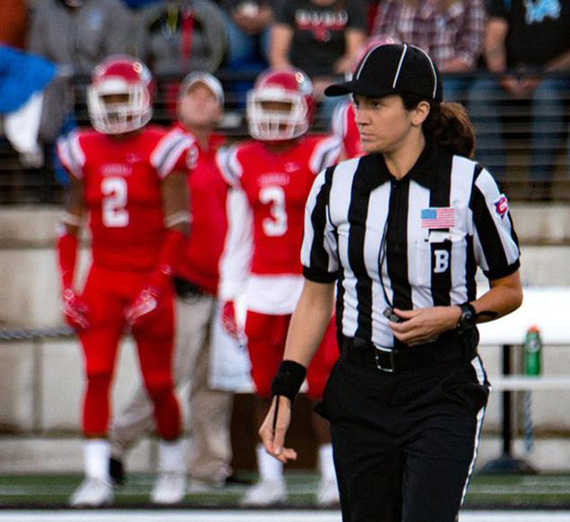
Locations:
447 125
408 71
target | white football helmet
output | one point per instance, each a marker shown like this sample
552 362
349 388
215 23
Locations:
120 75
290 86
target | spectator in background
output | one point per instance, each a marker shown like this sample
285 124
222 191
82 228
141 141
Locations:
248 25
200 109
14 20
77 35
138 4
524 43
35 100
36 107
80 33
181 36
176 37
320 37
372 9
451 31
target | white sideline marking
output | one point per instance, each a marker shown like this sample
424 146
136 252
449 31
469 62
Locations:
248 516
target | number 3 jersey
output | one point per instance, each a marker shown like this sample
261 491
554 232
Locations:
122 190
265 220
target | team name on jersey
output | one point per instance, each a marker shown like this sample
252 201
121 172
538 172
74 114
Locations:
116 169
274 178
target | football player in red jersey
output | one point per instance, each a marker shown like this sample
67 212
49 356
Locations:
131 181
344 126
271 178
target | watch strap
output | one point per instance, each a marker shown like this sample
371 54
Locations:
468 318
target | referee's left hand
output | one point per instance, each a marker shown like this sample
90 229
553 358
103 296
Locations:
423 325
272 431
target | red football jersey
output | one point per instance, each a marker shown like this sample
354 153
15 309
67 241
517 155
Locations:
205 243
122 190
277 187
344 127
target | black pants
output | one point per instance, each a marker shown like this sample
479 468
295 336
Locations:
404 443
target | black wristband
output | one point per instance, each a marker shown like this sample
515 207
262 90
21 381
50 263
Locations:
288 380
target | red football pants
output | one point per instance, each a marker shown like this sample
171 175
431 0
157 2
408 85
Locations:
266 335
107 293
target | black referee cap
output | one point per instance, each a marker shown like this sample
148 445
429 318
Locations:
393 69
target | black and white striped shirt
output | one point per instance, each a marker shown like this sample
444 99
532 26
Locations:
407 244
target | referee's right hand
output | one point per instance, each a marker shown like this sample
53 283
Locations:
273 430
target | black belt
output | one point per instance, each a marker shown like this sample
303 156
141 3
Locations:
446 351
187 289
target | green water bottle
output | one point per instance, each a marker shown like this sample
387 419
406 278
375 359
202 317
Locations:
532 351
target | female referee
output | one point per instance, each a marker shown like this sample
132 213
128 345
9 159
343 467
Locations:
401 231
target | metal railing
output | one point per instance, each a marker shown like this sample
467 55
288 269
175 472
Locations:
33 334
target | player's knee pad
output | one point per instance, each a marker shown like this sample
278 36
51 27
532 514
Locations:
99 381
158 383
159 390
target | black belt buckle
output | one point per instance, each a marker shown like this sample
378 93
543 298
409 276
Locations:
385 361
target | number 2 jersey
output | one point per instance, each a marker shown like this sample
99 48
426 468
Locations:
266 217
122 190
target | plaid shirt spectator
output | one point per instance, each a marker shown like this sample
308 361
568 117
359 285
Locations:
446 29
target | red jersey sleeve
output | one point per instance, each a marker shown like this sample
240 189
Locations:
338 121
176 151
325 154
344 127
230 166
71 154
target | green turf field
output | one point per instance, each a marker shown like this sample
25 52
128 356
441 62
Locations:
486 491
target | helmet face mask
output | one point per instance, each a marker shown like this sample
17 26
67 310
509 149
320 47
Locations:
280 106
119 96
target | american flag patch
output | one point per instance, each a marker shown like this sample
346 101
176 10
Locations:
434 218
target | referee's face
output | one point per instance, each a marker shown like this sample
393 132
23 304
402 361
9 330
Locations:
384 123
